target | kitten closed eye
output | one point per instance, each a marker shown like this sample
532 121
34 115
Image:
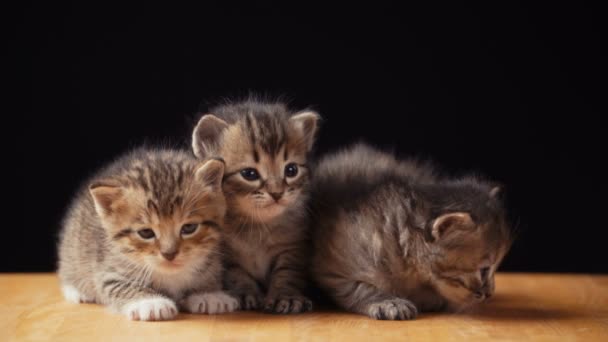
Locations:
442 232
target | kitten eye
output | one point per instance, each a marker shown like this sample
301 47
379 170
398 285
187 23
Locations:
291 170
146 233
250 174
484 271
188 229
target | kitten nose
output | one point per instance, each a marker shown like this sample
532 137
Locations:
480 295
276 195
169 255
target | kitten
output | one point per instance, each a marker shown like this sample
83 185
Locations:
265 147
391 238
145 235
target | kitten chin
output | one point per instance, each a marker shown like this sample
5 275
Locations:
265 146
457 299
391 238
145 234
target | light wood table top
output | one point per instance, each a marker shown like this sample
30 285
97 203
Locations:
525 307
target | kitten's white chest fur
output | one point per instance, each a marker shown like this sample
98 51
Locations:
174 284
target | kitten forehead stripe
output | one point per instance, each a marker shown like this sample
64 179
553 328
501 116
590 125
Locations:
266 243
365 223
102 261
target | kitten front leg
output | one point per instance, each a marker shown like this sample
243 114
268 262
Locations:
286 283
72 294
241 285
368 300
137 302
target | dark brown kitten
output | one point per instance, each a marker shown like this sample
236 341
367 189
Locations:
265 147
392 239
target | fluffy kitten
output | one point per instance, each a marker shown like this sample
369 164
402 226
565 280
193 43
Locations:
391 238
145 234
265 147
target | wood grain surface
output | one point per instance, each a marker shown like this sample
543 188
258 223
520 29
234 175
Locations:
525 307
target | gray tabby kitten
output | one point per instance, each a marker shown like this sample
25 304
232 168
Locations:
392 239
144 235
265 147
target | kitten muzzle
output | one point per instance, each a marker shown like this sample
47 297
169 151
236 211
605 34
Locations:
169 255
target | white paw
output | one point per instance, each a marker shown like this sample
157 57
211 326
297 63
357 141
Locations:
211 303
72 294
150 309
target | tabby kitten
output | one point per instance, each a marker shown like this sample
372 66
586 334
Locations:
265 147
145 235
391 238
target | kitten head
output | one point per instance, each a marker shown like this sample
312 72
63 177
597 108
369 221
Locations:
469 237
265 148
162 211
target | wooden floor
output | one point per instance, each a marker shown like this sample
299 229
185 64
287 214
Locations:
525 307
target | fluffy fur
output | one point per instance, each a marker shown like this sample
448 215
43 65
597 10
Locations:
265 147
143 237
391 238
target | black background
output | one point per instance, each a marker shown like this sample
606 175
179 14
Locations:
510 90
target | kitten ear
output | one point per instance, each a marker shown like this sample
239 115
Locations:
210 174
496 191
306 123
447 223
106 194
206 135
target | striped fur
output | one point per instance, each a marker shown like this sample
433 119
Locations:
102 257
391 238
266 236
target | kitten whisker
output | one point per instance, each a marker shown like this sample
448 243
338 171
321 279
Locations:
268 132
117 269
374 214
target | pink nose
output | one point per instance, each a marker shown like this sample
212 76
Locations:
169 255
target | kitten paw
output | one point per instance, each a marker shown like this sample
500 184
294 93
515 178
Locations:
393 309
284 304
151 309
72 294
250 301
210 303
